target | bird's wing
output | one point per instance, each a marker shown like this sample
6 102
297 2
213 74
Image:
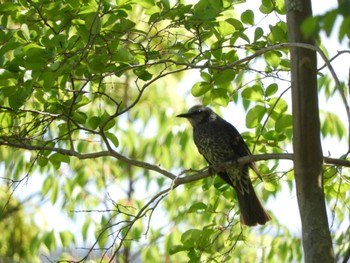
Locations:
239 146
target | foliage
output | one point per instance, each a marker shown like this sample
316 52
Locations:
88 94
19 236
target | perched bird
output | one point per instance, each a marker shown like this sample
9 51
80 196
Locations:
218 141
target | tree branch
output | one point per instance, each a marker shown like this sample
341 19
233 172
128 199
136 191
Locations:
211 170
206 172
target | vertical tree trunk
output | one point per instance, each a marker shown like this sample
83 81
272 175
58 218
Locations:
308 158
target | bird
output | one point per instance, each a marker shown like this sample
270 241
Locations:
219 141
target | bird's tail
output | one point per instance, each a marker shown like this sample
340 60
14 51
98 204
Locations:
252 212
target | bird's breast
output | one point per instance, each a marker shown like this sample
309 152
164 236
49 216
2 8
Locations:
213 144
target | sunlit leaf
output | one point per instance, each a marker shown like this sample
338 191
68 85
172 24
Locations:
220 96
54 191
66 238
226 28
200 88
254 116
255 93
284 123
47 185
273 58
269 186
266 6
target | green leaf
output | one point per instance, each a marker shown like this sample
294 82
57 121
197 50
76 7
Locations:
254 93
266 6
231 56
332 125
269 186
19 97
97 63
8 7
93 122
206 10
123 55
74 3
8 91
176 249
66 238
273 58
190 237
281 105
247 17
284 123
271 90
46 185
42 161
49 240
280 7
79 117
329 21
236 23
258 33
197 207
8 47
54 191
32 50
220 96
85 228
200 88
226 28
216 50
310 27
81 101
93 23
223 77
143 74
285 63
49 79
254 116
146 3
102 239
112 138
243 36
278 33
59 157
344 28
270 135
107 125
205 76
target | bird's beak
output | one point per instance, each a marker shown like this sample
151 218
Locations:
183 115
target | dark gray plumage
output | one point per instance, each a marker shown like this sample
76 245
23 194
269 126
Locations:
218 141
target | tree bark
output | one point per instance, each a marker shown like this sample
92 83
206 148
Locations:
317 242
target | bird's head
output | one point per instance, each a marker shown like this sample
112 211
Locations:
199 114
